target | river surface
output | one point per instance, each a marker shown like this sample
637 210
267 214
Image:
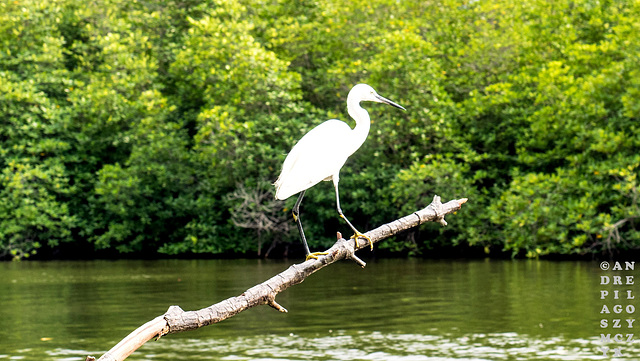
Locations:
397 310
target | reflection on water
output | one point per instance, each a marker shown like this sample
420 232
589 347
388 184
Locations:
391 310
368 346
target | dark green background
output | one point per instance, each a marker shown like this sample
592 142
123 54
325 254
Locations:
152 127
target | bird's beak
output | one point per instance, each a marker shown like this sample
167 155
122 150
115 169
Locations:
387 101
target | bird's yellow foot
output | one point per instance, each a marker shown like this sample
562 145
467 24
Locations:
360 235
315 255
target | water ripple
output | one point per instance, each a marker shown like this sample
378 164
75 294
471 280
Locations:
375 346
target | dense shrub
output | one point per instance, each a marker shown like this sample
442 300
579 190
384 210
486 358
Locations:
156 127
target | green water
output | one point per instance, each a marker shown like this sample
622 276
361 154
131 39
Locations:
391 310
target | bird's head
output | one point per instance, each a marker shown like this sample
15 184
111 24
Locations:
364 92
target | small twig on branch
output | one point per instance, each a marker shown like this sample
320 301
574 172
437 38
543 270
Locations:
176 320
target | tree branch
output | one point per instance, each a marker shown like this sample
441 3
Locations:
176 320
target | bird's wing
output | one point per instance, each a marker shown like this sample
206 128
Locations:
317 156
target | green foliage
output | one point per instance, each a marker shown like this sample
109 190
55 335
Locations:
34 183
30 213
158 126
442 175
546 214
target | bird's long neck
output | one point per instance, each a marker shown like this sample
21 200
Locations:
363 122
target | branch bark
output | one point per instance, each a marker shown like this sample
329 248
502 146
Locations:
176 320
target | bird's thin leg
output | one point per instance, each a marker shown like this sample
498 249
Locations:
296 217
356 232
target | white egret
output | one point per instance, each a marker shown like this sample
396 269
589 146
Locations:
320 154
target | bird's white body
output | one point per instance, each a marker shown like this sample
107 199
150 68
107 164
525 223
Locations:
314 159
319 156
